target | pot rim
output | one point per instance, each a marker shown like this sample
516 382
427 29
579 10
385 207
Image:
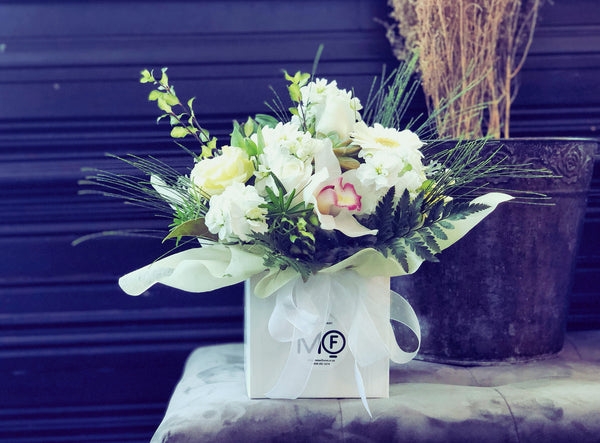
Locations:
546 139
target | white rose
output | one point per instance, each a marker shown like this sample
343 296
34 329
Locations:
235 213
329 108
215 174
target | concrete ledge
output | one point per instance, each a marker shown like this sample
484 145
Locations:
555 400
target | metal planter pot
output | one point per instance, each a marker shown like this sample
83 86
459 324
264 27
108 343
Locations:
501 293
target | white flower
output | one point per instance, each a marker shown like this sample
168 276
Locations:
380 170
289 137
290 170
235 213
328 176
213 175
379 138
288 153
391 158
329 109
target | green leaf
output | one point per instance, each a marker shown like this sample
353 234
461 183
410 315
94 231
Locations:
170 99
430 240
461 211
179 132
417 245
191 228
250 148
266 120
436 211
236 137
164 80
294 91
146 77
384 216
163 105
260 141
401 215
399 252
155 95
445 224
438 232
249 127
189 104
288 77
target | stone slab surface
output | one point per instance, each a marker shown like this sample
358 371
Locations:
551 400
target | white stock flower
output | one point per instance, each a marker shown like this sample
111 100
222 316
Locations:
289 137
235 213
380 170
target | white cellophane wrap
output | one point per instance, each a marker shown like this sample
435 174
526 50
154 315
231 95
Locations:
340 293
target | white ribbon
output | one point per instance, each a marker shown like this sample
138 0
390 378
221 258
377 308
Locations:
302 310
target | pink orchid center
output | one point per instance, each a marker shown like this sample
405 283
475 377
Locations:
333 197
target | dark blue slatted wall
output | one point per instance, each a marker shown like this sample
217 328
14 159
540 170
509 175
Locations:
77 356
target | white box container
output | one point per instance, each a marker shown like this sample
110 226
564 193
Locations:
333 374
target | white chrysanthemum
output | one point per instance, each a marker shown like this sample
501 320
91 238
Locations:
235 213
379 138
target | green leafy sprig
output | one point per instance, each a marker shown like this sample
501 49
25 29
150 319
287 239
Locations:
406 224
290 239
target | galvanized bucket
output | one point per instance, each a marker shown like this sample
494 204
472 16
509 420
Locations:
500 295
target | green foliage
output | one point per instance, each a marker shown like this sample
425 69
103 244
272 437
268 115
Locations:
266 120
241 137
179 196
296 82
190 228
390 96
290 240
410 224
183 123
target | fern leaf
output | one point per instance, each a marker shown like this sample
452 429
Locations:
436 212
460 212
429 239
384 216
437 231
445 224
420 248
397 248
401 225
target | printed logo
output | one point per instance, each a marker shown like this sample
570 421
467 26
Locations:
328 347
333 342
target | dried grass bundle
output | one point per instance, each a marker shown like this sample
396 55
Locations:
470 49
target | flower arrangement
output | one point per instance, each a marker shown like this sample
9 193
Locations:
326 181
315 205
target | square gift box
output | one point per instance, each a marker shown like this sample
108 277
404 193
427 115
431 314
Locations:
269 362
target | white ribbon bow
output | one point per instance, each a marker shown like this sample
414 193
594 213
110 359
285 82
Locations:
302 310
